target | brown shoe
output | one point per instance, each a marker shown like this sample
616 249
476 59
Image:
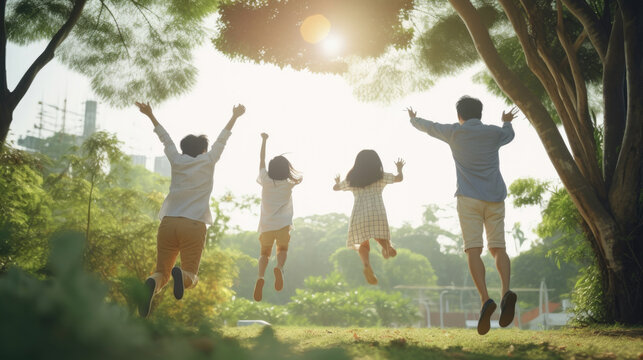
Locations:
258 289
370 276
279 279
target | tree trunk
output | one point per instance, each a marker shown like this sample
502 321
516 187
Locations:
622 285
9 100
6 116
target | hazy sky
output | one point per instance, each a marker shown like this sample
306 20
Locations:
314 120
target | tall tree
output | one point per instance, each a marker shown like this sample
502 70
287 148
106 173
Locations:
543 56
128 48
605 189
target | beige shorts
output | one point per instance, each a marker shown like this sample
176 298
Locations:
281 236
473 214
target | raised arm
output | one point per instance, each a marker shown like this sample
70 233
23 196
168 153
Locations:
219 144
262 153
439 131
336 186
237 111
169 148
147 110
507 130
399 164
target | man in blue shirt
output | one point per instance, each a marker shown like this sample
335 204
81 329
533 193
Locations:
481 192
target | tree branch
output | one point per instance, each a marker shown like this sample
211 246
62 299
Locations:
47 55
564 99
626 183
4 91
580 190
613 99
597 34
584 125
118 28
540 69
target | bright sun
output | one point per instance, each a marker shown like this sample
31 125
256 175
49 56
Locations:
332 45
315 28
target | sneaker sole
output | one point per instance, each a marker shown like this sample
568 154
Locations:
258 293
279 279
508 311
177 275
484 324
144 308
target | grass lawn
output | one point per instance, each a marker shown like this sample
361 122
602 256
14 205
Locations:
411 343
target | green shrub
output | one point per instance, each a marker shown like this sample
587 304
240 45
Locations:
244 309
67 316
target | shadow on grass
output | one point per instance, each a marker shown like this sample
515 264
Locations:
634 333
401 349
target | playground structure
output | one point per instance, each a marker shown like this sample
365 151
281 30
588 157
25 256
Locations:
542 317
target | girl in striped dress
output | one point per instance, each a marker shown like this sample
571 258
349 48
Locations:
368 219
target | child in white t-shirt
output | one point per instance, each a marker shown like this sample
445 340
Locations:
276 213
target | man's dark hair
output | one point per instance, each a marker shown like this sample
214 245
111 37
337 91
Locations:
194 145
469 108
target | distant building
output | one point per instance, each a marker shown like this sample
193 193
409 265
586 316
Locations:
61 140
162 166
90 118
139 160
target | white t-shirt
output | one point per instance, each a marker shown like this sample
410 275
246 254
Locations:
276 202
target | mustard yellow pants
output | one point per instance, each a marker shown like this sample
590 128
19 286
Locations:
178 235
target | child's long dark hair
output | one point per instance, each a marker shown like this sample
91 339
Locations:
367 169
279 168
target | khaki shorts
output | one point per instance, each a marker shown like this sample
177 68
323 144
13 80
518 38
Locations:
281 236
473 214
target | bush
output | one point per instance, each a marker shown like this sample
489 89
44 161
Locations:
331 302
244 309
66 316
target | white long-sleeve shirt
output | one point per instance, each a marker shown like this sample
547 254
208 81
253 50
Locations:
192 179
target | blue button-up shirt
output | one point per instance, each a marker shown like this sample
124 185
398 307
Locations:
474 147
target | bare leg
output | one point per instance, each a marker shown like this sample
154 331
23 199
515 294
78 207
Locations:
476 268
281 258
263 264
364 250
387 249
503 264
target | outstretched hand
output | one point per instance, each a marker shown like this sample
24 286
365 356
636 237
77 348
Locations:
337 179
145 108
412 113
510 115
399 164
264 136
238 110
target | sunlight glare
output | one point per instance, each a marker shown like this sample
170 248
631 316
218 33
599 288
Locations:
332 45
315 28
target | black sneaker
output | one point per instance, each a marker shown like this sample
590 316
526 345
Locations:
507 308
145 305
177 275
484 322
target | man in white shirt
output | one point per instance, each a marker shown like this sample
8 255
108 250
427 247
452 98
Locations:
186 209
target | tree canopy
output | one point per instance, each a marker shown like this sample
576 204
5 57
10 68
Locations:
127 48
275 31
